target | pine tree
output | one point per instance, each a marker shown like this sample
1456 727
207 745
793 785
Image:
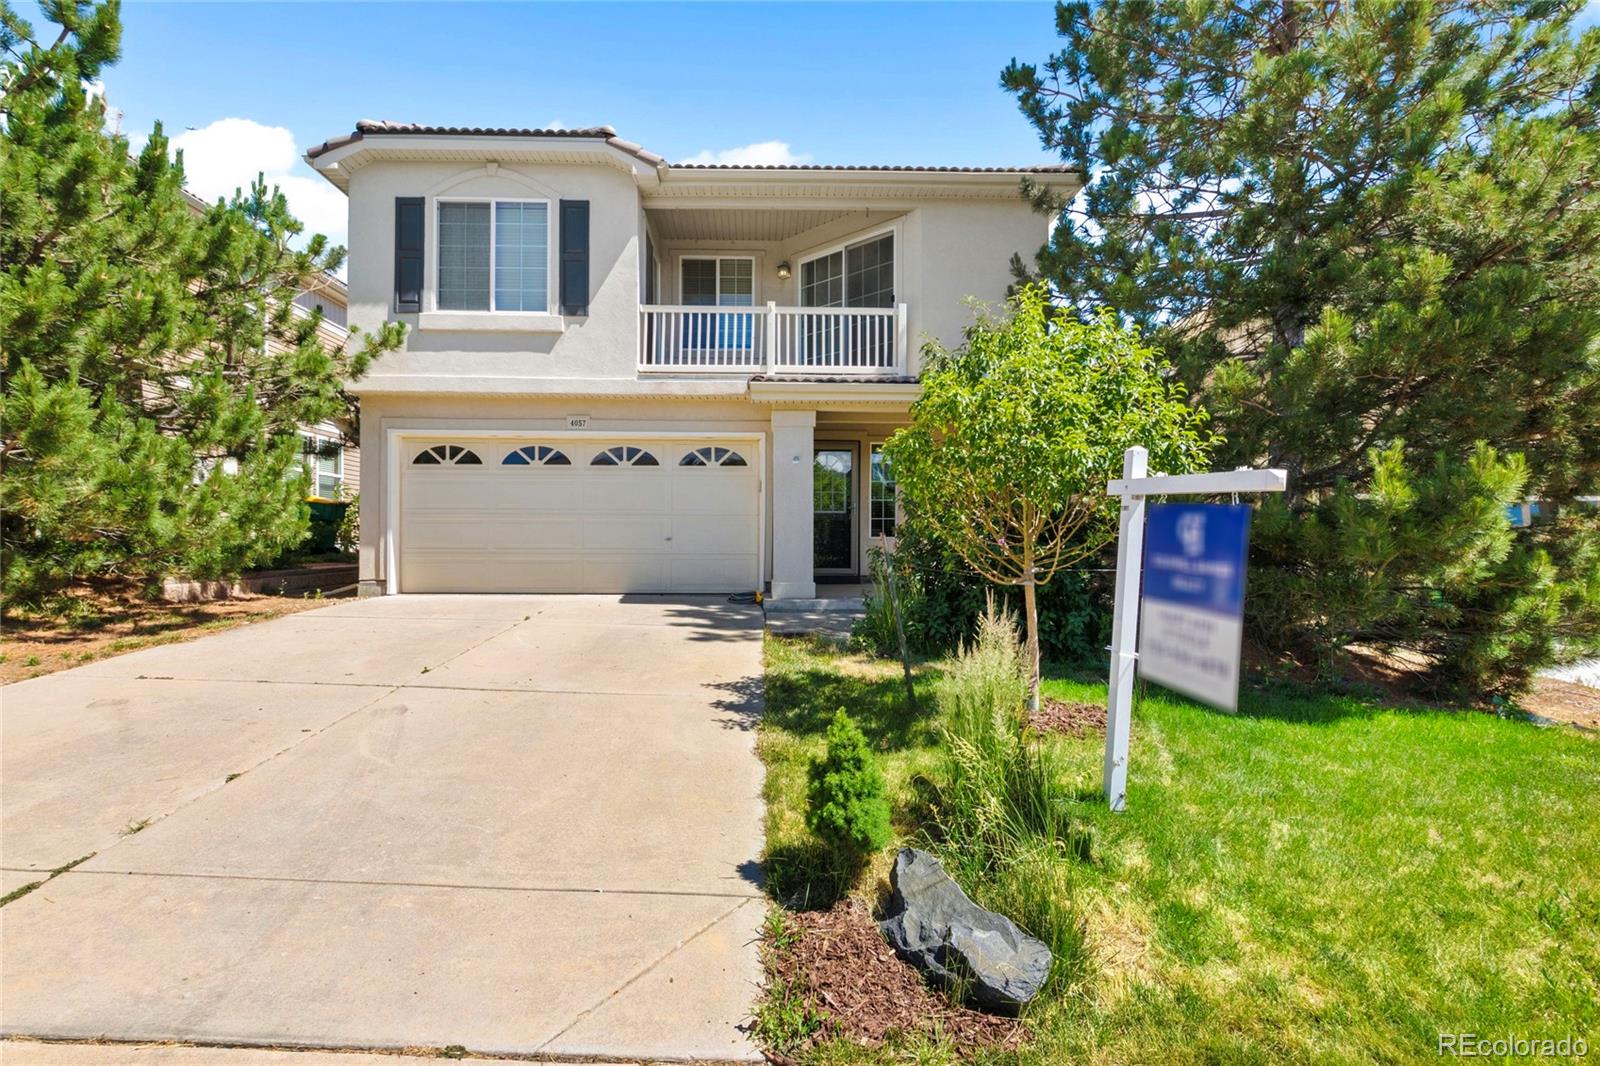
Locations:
156 372
1369 237
847 803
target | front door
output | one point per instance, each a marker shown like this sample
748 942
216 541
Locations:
833 494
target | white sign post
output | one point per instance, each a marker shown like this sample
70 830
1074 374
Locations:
1134 485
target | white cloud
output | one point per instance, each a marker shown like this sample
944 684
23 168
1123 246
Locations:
760 154
227 155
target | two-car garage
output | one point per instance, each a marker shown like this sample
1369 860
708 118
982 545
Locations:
586 513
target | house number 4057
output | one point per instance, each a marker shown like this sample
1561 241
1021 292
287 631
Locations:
577 421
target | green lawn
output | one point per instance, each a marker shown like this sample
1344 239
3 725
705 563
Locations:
1318 878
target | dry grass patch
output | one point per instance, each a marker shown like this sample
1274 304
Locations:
104 623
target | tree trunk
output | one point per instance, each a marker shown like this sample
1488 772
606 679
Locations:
899 624
1030 602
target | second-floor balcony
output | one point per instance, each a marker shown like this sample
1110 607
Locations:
862 342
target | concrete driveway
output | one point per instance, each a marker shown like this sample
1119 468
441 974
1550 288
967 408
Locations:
526 825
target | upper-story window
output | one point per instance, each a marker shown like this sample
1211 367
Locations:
857 275
494 255
725 282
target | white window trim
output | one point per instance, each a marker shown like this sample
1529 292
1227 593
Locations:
800 260
718 257
876 446
493 320
320 437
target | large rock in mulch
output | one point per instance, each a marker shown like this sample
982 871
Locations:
864 994
936 928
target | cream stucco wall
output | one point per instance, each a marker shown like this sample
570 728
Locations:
383 417
487 372
602 344
948 251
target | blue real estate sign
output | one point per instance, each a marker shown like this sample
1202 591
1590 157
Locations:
1191 613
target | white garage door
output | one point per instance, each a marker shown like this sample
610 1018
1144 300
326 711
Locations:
614 515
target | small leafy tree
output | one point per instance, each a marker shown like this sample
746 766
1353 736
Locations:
156 372
848 808
1017 432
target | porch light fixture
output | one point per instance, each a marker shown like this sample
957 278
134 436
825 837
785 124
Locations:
783 271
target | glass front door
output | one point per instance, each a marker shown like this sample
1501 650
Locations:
833 491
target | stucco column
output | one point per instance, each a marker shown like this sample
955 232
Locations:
793 436
371 521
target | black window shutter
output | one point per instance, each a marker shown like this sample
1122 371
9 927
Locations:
574 257
408 236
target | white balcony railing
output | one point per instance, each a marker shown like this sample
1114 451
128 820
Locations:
848 341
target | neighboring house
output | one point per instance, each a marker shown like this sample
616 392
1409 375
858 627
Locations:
335 464
628 376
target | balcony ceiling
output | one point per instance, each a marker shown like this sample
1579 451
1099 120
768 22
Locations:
749 224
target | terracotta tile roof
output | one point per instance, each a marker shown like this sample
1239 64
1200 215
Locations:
1050 168
371 127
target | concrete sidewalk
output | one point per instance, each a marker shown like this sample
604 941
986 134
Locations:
522 825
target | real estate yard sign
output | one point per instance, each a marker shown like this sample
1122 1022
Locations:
1193 582
1191 613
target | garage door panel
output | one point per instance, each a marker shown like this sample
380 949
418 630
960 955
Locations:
451 490
541 490
493 572
496 532
629 533
709 573
711 534
712 492
610 491
625 573
578 528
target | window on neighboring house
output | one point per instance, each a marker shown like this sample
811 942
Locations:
325 460
884 495
494 256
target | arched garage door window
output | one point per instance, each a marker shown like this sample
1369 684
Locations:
712 457
624 455
447 455
536 455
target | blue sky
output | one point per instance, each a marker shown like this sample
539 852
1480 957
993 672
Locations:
249 86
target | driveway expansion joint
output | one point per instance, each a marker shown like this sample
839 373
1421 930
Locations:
448 885
305 736
406 1053
647 969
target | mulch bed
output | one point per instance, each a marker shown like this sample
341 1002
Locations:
1075 719
868 994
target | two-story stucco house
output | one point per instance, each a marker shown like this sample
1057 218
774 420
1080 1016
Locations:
623 375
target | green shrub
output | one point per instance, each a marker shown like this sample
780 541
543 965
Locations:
848 807
942 599
349 535
875 629
1002 799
